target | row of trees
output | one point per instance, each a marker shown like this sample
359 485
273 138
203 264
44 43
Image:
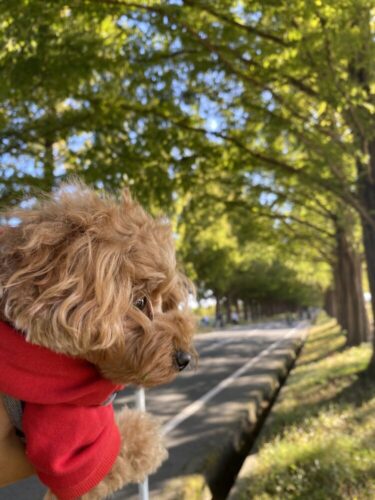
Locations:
235 256
246 121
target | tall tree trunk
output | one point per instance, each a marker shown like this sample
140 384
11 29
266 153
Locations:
217 305
330 303
360 70
366 190
248 312
228 308
351 311
245 310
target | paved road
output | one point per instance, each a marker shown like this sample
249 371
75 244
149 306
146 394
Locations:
199 408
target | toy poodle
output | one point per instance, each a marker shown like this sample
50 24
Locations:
91 299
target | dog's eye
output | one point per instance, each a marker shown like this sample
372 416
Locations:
141 303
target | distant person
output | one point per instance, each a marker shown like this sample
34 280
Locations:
219 320
234 318
205 321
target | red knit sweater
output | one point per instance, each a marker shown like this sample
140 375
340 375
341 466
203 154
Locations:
71 440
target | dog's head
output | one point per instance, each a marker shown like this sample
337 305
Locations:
93 277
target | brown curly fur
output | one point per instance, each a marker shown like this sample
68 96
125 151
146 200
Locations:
71 272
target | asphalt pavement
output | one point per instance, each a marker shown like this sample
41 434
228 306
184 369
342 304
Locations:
198 410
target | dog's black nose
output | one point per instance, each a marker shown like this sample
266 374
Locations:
182 359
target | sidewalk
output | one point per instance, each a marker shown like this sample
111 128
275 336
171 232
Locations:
319 441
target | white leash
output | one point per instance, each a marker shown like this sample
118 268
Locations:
140 401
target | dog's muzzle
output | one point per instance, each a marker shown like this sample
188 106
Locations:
182 359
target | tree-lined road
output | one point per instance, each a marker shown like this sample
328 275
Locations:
200 408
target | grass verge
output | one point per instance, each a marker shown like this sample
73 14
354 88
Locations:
320 441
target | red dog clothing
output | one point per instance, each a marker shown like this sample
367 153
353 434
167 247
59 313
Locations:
71 439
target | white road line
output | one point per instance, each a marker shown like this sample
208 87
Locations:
199 403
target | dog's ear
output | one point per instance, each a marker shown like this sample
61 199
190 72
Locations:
64 282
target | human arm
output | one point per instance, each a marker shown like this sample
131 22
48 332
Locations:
14 464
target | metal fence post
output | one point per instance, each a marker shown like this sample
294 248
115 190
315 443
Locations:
140 400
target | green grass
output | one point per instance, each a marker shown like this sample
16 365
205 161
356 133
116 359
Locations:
320 441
